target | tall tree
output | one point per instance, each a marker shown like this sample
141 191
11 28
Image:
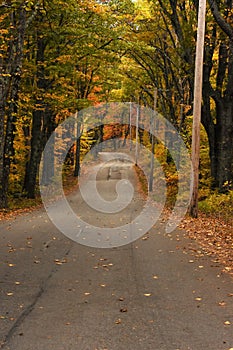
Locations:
218 88
15 18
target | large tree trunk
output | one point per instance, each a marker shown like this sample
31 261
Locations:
2 139
220 136
35 156
9 89
224 144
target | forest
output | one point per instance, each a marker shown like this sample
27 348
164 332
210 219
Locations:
58 57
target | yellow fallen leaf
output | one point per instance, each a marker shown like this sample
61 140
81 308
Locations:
228 268
147 294
9 294
227 323
118 321
222 303
87 293
155 277
145 238
198 299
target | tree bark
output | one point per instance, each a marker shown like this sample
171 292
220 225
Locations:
11 67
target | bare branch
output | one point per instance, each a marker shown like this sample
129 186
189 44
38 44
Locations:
226 27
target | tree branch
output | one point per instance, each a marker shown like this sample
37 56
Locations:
226 27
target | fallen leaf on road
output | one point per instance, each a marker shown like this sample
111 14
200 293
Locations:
60 262
147 294
87 293
9 294
228 268
198 299
222 303
12 250
118 321
155 277
145 238
227 323
123 310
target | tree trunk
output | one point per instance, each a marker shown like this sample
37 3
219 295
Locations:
224 144
9 89
2 139
35 156
220 136
78 149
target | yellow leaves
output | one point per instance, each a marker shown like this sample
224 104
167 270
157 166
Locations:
147 294
4 31
2 317
118 321
145 238
60 262
214 236
227 323
222 303
64 58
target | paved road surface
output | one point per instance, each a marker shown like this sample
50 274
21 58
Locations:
153 294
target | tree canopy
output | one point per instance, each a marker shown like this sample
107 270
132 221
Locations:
58 57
